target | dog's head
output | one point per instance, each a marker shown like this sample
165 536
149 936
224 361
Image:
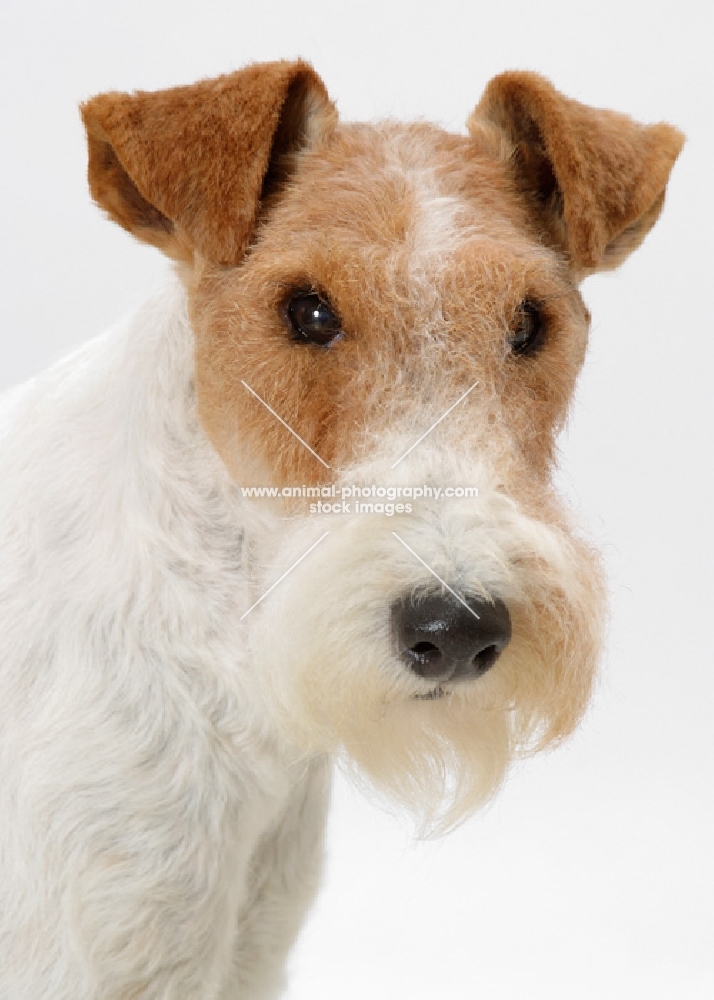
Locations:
387 311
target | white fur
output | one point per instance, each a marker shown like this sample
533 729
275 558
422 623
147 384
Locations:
148 833
338 684
164 763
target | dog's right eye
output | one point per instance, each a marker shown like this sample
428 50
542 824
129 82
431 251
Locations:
311 319
528 331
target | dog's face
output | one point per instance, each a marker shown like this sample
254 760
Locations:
417 252
361 280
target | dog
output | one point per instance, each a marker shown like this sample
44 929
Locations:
296 509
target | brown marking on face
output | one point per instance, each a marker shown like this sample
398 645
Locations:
421 323
425 243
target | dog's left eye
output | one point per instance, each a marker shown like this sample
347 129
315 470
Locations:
528 331
313 320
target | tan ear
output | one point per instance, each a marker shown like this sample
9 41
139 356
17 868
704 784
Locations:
184 169
596 179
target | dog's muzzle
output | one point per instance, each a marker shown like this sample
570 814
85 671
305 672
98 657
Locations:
439 638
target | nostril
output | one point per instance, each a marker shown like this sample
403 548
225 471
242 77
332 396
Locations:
425 659
425 647
485 659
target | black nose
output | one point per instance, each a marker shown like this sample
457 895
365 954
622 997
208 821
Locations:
439 638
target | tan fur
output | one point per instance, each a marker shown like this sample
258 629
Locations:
185 167
348 233
596 178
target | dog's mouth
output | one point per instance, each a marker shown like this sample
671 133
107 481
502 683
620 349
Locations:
433 695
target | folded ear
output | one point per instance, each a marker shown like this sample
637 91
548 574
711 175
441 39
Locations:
595 179
185 169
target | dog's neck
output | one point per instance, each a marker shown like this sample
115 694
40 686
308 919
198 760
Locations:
107 449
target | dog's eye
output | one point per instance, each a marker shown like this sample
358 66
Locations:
528 331
312 319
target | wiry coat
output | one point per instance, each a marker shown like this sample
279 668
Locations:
150 815
163 758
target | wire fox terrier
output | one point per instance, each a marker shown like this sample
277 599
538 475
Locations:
374 323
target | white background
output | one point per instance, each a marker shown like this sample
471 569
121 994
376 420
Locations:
592 875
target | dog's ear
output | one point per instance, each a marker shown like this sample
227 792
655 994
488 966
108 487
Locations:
595 179
185 169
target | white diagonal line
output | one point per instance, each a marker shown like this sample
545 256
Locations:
284 575
434 425
442 582
278 417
